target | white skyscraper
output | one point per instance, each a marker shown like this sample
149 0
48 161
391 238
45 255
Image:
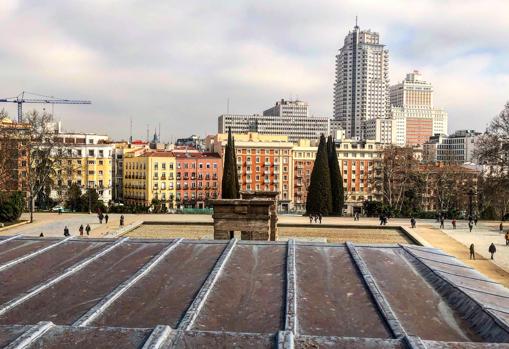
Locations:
361 90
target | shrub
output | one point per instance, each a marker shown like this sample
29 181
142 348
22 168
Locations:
11 206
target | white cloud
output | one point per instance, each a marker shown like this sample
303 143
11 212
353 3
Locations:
170 61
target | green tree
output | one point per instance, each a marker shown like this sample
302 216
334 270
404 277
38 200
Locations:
230 183
336 180
11 206
74 200
319 195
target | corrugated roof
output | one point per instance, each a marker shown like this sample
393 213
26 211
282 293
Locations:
96 293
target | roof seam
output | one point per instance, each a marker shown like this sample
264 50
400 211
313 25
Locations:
291 323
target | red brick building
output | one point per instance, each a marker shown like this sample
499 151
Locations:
199 176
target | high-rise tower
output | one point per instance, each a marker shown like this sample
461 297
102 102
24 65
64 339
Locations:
361 89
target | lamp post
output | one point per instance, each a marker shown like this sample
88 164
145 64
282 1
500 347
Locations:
470 194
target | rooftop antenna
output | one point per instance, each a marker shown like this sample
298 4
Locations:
131 130
356 26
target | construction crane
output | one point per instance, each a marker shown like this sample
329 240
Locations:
20 99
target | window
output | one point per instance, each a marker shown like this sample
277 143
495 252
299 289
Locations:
91 153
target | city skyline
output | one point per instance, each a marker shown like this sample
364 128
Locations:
164 63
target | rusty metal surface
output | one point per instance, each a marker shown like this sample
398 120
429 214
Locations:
328 289
67 300
43 267
166 292
92 337
217 340
17 248
250 294
9 333
418 306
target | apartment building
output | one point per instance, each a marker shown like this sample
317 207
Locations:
360 166
264 162
84 159
456 148
15 156
198 178
149 176
288 108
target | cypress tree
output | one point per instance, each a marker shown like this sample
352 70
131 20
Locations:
336 179
319 192
234 156
229 190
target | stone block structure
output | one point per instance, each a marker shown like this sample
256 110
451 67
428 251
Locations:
251 217
267 195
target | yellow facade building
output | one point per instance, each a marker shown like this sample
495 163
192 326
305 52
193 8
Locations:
148 176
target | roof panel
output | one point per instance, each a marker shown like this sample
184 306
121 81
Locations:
328 288
250 293
420 309
166 292
17 248
64 302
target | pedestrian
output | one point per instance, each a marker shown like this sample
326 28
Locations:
87 229
501 227
412 222
60 210
121 220
472 252
442 221
475 220
106 217
507 238
81 230
492 249
453 222
470 225
316 218
310 218
101 216
381 219
320 218
41 235
66 231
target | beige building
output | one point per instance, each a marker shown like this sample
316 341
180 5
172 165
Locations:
415 118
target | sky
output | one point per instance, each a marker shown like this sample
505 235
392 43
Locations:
176 63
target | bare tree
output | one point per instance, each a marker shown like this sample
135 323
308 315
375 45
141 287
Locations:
42 139
492 150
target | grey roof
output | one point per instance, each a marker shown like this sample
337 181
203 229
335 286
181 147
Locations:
107 293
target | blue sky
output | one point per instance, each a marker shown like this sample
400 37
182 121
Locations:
176 63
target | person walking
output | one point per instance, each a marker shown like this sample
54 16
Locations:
106 217
66 231
316 218
470 226
501 227
472 252
101 216
310 218
412 222
87 229
507 238
475 220
442 221
121 220
320 218
81 230
453 222
492 249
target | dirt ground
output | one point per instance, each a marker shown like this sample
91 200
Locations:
375 236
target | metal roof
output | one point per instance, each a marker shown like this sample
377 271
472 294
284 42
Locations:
126 293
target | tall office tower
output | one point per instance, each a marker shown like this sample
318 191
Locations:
361 90
415 117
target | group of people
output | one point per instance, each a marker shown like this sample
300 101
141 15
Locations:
87 229
317 217
492 249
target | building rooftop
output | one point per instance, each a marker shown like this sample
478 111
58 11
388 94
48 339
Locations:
197 155
108 293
